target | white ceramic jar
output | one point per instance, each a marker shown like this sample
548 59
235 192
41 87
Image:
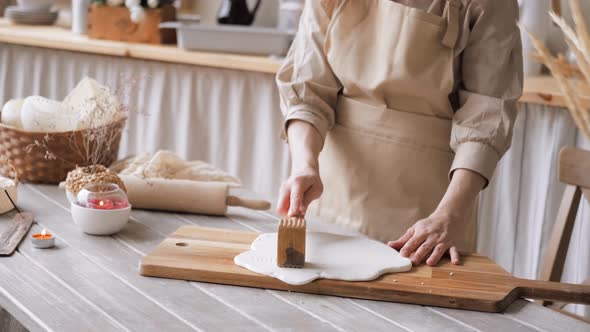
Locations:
80 16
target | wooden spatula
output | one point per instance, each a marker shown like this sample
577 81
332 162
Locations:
291 242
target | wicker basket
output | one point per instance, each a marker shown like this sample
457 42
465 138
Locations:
32 161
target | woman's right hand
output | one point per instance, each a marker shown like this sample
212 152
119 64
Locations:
304 185
299 190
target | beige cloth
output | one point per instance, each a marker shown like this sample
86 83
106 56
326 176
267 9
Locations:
386 91
487 73
167 165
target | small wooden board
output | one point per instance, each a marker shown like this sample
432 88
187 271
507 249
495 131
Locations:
206 255
19 227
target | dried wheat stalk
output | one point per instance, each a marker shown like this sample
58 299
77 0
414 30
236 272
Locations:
578 40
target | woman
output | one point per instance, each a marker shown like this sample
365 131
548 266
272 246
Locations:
400 96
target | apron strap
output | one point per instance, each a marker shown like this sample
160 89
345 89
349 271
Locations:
452 13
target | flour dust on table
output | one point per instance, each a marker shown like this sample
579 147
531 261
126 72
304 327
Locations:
329 256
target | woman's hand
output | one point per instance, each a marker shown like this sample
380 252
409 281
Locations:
429 239
432 237
304 185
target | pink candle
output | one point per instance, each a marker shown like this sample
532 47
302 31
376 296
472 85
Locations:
106 204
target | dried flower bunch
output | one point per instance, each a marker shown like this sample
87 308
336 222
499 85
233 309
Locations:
136 7
571 81
95 174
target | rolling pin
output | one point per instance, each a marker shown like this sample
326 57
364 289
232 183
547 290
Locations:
185 196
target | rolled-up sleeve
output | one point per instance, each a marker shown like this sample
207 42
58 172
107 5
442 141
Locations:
308 88
492 80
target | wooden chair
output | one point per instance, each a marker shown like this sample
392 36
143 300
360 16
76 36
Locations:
574 170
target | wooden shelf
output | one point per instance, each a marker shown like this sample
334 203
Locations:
62 39
544 90
541 90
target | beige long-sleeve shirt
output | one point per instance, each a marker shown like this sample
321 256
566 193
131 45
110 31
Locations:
487 72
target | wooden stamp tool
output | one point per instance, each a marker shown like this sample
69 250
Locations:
291 242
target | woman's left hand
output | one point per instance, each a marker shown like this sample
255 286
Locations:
432 237
429 239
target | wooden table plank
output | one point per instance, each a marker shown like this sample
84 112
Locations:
272 312
416 317
178 296
9 323
352 317
51 305
485 321
132 309
543 318
403 317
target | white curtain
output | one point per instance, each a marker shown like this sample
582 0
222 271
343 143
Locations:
231 119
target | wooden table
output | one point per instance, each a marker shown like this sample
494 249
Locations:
90 283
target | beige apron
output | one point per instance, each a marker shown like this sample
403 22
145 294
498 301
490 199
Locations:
385 163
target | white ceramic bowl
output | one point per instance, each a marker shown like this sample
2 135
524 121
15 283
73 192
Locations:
36 4
100 222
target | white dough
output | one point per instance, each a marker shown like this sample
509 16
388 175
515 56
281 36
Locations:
11 113
328 256
40 114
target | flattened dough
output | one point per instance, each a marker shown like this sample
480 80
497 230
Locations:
328 256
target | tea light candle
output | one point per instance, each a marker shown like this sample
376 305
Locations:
43 240
107 204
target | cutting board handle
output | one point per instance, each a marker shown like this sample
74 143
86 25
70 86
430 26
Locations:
553 291
254 204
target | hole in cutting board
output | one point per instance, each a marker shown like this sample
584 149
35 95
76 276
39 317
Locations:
182 244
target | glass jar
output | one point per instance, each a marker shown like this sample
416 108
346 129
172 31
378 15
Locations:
102 196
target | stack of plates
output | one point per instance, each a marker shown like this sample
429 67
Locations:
20 15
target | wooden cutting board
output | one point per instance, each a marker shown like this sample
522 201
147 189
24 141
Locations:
206 254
